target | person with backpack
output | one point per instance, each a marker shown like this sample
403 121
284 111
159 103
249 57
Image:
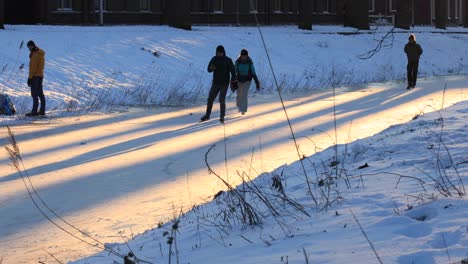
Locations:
36 76
413 51
223 71
245 72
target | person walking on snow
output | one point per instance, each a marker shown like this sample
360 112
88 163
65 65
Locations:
413 51
36 76
223 71
245 71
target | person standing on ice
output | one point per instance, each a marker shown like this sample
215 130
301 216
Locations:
223 71
413 51
245 71
36 76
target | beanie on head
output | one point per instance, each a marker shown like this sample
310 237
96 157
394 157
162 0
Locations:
244 52
220 49
31 43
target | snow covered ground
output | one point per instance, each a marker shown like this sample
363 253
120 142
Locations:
123 173
99 67
115 175
394 200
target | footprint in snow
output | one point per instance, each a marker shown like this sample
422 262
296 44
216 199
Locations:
423 257
415 230
423 213
445 239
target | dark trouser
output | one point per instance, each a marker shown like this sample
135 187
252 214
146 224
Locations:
222 90
37 93
412 72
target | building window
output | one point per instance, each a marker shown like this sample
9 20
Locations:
457 9
287 6
218 6
462 16
433 15
253 6
277 6
327 7
323 6
460 12
371 5
449 11
65 5
145 5
393 5
97 4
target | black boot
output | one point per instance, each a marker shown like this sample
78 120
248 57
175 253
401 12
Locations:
204 118
32 114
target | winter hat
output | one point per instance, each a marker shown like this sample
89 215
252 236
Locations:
412 37
31 44
220 49
244 52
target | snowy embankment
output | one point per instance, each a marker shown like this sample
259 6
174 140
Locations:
85 167
406 187
100 67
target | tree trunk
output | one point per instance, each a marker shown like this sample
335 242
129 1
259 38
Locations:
305 14
40 12
89 12
357 14
2 14
178 14
404 16
84 12
341 10
441 14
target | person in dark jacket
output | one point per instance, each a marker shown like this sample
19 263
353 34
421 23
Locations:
413 51
245 72
36 76
223 71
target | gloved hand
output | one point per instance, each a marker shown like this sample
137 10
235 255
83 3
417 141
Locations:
257 85
234 85
29 82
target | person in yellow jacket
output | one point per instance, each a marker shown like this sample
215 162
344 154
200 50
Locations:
36 76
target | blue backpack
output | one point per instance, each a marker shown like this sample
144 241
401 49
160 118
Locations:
6 105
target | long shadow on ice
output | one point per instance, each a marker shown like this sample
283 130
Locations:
108 185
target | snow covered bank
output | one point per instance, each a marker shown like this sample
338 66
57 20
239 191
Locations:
122 173
85 166
101 67
405 185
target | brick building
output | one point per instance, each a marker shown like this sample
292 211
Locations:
73 12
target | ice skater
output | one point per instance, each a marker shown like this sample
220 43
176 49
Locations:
413 51
245 72
223 71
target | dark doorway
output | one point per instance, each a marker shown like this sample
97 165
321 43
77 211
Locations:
20 11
